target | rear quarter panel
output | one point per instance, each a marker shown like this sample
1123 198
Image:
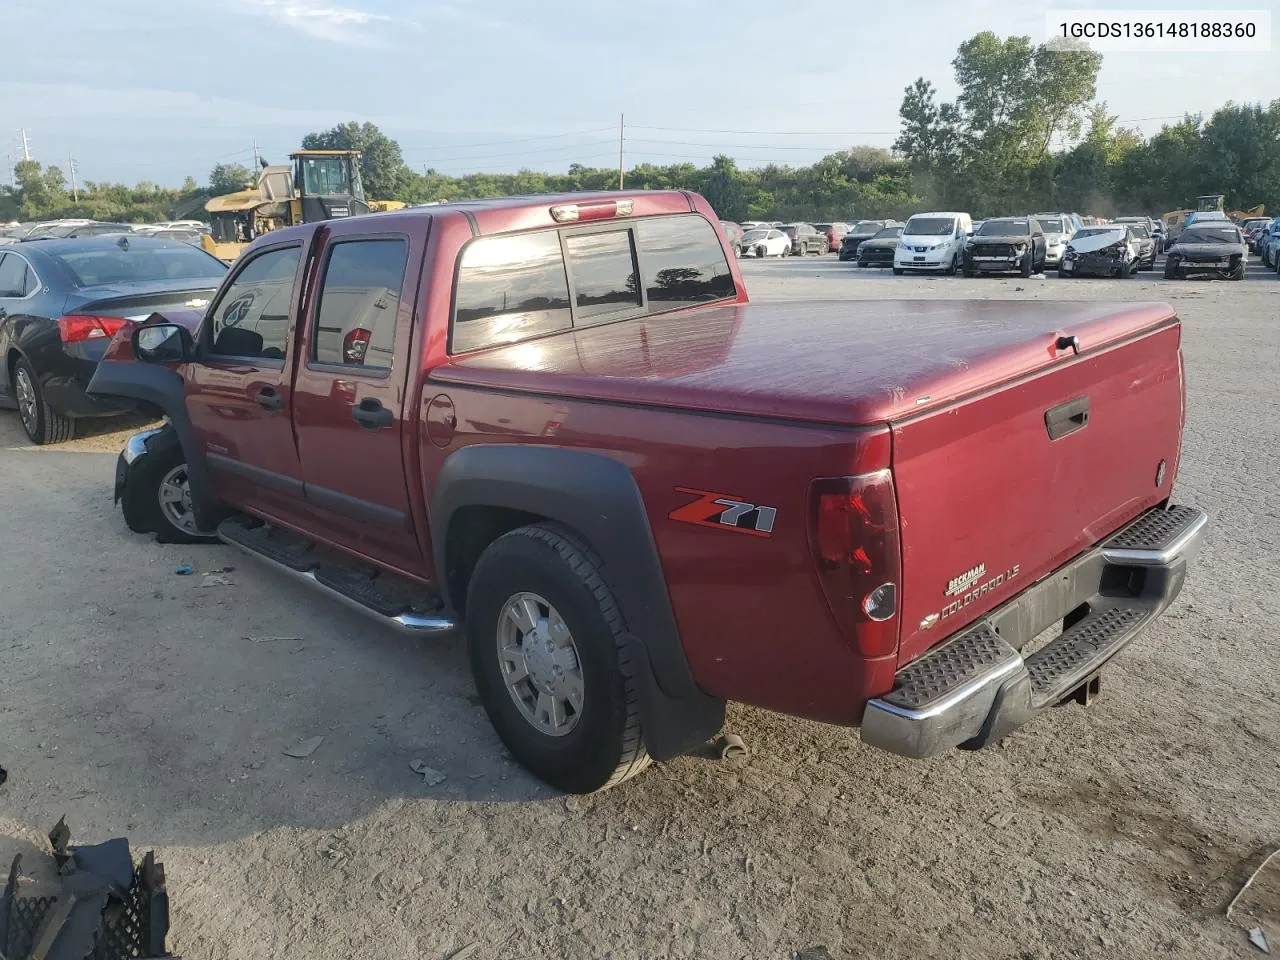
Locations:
752 616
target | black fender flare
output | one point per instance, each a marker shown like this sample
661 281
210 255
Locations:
597 497
162 388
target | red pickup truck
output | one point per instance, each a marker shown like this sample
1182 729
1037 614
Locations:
558 423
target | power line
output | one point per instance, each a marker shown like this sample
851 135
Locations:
495 143
523 153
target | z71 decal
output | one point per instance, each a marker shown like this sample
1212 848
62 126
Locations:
723 512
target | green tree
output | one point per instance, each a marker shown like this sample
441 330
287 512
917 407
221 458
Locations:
1240 155
228 178
381 163
723 188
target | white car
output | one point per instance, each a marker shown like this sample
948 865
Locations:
763 242
932 241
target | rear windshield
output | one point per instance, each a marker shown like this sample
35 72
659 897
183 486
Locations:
136 264
1139 229
930 226
516 287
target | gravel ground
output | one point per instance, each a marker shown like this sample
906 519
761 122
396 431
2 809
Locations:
145 704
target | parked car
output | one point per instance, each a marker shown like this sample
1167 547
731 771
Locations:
1058 229
732 231
878 251
536 474
54 228
193 237
1110 250
1212 247
60 303
860 231
1004 245
835 234
1158 234
1269 244
1146 244
805 239
1252 229
933 241
765 242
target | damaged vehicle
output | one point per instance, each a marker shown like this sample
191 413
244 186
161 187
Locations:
1207 249
559 426
1110 250
1005 245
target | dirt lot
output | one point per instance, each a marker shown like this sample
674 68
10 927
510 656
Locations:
142 703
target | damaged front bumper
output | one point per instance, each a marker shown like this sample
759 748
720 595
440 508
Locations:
134 449
978 687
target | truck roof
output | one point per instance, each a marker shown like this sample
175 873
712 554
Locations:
505 214
806 361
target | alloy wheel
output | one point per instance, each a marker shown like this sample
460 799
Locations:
540 665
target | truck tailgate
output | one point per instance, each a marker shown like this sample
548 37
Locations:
998 489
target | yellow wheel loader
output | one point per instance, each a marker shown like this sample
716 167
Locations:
315 185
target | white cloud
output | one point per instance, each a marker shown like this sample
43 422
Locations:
342 25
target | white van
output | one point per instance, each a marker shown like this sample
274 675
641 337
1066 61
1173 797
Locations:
932 241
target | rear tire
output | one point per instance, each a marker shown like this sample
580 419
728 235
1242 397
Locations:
40 422
156 498
602 743
1170 271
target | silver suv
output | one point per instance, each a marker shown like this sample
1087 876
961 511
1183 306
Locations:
1058 228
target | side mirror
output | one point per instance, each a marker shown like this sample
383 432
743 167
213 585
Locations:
163 343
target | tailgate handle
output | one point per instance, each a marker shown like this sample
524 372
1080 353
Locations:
1067 418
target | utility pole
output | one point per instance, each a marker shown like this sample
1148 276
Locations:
255 153
622 127
71 168
26 147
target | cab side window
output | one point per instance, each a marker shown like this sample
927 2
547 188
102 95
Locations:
251 320
359 302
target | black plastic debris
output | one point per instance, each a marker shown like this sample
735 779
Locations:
99 906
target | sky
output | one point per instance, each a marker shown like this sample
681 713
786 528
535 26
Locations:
161 89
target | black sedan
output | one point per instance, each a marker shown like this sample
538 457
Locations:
860 231
878 250
61 301
1217 249
1006 244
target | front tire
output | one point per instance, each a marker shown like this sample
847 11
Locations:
1025 270
157 498
40 422
547 647
1126 271
897 271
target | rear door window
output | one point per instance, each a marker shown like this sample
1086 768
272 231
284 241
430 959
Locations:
359 303
682 263
603 266
510 288
251 320
13 275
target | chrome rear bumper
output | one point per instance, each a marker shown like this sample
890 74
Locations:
978 687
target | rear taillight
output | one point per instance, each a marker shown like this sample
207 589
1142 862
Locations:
355 345
76 328
853 532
